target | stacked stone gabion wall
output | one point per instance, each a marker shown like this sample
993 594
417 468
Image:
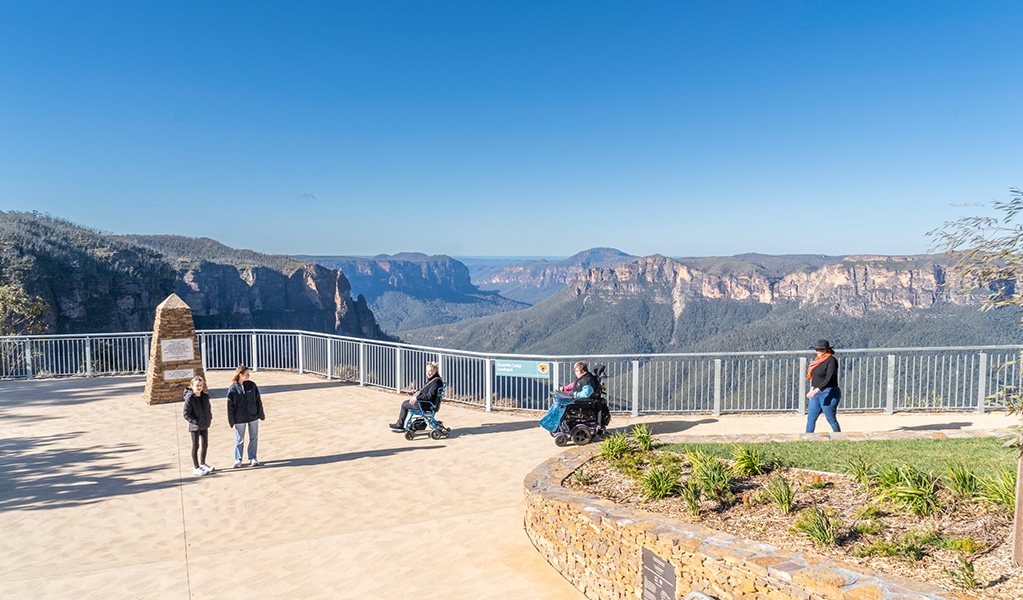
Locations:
598 546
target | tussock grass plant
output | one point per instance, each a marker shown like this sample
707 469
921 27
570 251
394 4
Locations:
820 525
861 468
749 461
908 488
714 478
1000 489
616 446
690 493
643 437
962 481
659 482
781 493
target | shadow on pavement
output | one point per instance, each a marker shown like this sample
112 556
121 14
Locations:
935 427
334 458
299 387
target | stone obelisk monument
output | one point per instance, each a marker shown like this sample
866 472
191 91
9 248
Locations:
174 357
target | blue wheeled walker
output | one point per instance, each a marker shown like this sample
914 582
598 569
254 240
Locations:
426 414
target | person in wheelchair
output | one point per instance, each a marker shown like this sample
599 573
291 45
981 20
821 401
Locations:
579 411
426 399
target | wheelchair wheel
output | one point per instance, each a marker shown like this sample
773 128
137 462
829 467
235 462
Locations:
581 436
561 440
436 434
409 434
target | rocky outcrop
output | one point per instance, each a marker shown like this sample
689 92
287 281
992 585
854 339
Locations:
413 273
852 286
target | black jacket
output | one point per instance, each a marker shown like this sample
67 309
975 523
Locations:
197 410
243 403
825 375
587 379
431 391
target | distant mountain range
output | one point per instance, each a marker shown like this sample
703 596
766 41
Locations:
412 290
748 302
96 283
535 280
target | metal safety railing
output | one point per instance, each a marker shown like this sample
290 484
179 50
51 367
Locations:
879 380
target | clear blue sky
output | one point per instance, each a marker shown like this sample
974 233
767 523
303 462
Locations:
514 128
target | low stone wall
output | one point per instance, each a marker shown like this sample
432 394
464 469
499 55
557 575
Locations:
599 546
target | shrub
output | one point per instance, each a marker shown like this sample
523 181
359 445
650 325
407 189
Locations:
748 461
1000 490
909 488
860 468
659 482
714 479
819 525
781 494
616 446
643 437
962 481
911 546
963 573
690 493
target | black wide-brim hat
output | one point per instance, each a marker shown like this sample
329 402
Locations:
822 345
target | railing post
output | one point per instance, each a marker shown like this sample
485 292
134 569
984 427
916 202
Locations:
717 387
982 384
362 363
28 357
635 388
202 352
802 385
397 369
255 353
88 356
301 354
889 407
330 358
145 354
556 375
440 365
488 384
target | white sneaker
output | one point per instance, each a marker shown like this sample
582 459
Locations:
199 471
207 468
253 463
237 464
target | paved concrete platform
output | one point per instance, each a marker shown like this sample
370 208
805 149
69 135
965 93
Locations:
97 498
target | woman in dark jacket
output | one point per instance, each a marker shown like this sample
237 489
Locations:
825 394
244 411
199 416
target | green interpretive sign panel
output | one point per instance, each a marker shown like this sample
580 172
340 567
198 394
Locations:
522 368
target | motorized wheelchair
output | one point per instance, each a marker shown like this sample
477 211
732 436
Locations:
582 419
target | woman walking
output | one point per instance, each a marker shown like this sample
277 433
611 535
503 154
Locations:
825 394
244 411
199 416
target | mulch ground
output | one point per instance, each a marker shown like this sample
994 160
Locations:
762 522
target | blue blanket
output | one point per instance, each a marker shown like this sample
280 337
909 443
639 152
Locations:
553 417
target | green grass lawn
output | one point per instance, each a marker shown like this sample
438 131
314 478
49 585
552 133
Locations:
985 456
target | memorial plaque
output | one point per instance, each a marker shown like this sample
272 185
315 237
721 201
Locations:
178 374
658 577
176 350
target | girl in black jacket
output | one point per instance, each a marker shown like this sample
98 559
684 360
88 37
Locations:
244 412
199 416
824 395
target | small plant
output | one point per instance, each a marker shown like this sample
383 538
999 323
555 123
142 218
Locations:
748 461
1000 490
643 437
583 478
963 573
630 464
910 547
860 468
868 521
781 493
909 488
616 446
966 544
819 525
714 479
659 482
690 493
962 481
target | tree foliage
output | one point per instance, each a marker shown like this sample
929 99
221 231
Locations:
987 252
21 314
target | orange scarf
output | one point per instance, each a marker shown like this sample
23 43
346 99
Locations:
814 363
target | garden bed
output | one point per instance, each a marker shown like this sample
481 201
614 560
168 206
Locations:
936 537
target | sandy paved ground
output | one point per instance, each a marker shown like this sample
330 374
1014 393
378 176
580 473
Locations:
97 498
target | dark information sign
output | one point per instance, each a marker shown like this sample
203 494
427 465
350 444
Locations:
658 577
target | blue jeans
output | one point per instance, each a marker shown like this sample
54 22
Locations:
825 401
239 439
